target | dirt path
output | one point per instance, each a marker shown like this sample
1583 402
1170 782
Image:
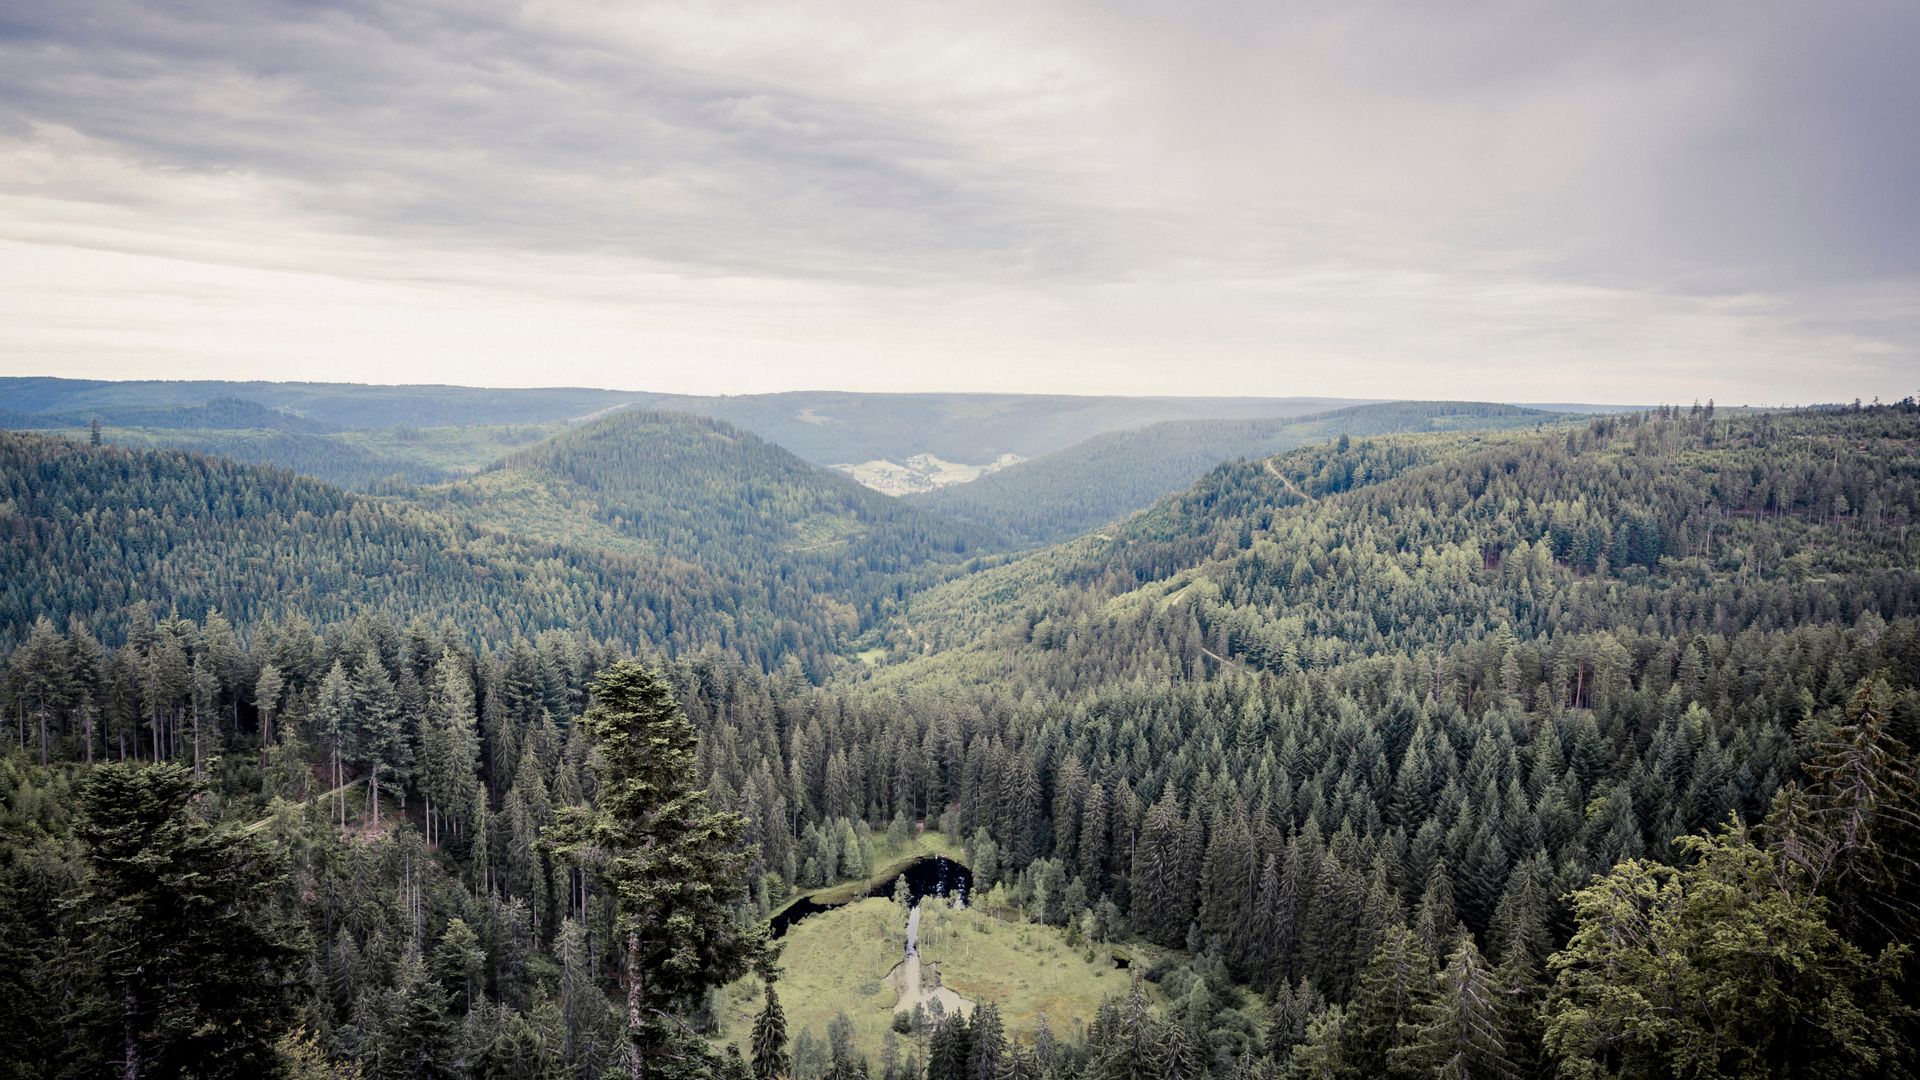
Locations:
1286 480
920 984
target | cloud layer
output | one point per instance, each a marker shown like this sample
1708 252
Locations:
1626 202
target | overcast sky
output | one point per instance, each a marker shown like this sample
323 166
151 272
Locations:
1630 202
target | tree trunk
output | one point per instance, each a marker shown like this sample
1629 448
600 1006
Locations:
636 1056
43 732
130 1062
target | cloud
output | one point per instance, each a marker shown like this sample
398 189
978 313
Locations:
1623 202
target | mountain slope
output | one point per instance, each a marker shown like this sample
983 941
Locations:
373 460
1322 555
1109 476
87 532
686 487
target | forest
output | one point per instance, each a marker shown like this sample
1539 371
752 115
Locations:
1540 747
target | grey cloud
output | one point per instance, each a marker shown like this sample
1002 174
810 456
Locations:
1402 185
478 129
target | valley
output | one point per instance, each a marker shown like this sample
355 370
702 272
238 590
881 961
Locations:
1377 692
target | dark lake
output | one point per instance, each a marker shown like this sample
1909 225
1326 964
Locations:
935 875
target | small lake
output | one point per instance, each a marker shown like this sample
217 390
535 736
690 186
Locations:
935 875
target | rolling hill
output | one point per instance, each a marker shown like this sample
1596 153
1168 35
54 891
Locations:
326 406
1331 553
619 530
1111 475
683 487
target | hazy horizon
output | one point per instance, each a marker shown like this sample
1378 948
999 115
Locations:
1338 400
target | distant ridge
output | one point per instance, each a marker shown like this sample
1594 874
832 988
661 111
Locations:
1114 474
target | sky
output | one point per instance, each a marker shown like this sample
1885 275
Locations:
1525 201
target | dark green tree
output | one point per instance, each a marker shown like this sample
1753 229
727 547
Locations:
676 868
191 965
1724 968
1391 997
770 1058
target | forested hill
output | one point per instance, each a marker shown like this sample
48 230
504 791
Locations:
1670 525
694 489
91 531
1111 475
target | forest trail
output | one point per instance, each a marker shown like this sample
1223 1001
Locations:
1286 480
1224 661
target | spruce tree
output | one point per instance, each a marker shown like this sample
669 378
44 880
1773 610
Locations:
676 868
1460 1034
989 1043
770 1058
1392 994
190 962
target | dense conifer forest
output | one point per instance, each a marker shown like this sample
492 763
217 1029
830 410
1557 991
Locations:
1576 751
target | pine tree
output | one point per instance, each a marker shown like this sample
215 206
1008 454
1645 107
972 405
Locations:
416 1038
333 723
191 965
266 701
989 1047
1724 967
1854 830
675 866
379 738
1392 993
845 1063
459 962
770 1058
1460 1034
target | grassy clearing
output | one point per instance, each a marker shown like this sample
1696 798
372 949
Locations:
1028 969
837 960
832 961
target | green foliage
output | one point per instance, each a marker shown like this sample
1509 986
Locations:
1299 725
1726 967
188 965
676 867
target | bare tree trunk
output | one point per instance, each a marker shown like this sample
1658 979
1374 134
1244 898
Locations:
43 732
636 1057
130 1061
